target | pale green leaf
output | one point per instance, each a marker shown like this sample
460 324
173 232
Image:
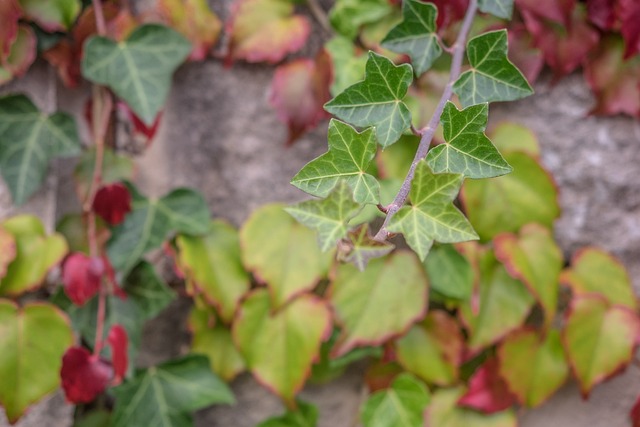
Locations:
467 150
306 415
492 77
416 35
165 395
33 339
348 63
432 215
401 405
212 266
349 157
52 15
445 412
29 139
359 247
138 69
151 220
500 8
377 100
449 273
367 307
329 216
280 346
347 16
599 339
282 253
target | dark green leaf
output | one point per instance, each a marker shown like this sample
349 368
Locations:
349 156
432 215
165 395
138 69
467 149
28 140
377 100
305 416
416 35
399 406
500 8
492 76
329 216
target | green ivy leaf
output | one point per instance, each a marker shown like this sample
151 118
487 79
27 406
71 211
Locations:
533 366
148 291
214 340
347 61
138 69
503 305
33 339
349 158
450 274
377 100
165 395
212 265
362 301
399 406
29 139
306 415
599 339
329 216
597 272
445 412
500 8
359 247
432 349
35 254
282 253
347 16
534 258
151 220
467 149
279 347
506 203
492 76
432 215
416 35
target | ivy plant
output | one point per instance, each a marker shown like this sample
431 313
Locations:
417 253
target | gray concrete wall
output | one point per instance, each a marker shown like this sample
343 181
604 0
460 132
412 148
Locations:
220 136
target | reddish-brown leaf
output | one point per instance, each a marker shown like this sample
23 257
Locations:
118 341
84 376
10 12
112 203
601 13
635 414
82 276
299 90
141 132
564 47
614 81
488 392
629 14
523 53
265 30
450 11
21 55
558 11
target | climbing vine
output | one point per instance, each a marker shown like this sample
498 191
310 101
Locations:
418 253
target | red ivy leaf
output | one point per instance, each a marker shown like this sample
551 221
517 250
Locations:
601 13
112 203
558 11
10 12
140 129
82 276
450 11
523 54
265 30
118 341
635 414
615 82
629 13
84 376
564 47
299 90
488 392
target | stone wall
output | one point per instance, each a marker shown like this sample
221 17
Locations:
220 136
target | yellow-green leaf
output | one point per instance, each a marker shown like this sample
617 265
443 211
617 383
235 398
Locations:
444 412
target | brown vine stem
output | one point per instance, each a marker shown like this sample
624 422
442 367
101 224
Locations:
428 131
320 15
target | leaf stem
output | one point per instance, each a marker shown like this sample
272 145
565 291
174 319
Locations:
101 24
320 15
428 131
